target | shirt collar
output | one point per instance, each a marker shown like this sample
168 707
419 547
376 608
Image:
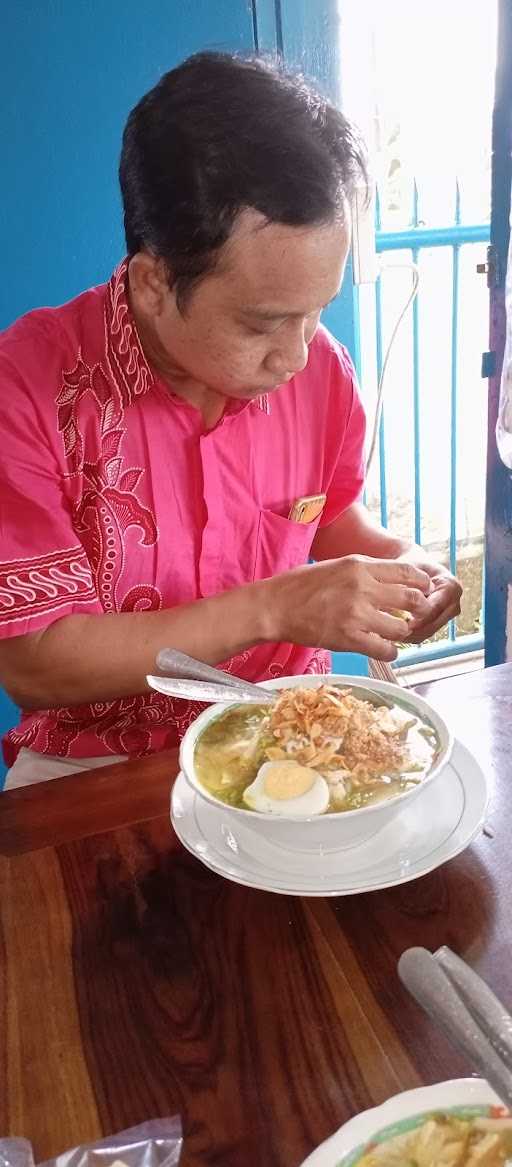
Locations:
128 366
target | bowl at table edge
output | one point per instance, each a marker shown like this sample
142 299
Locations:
399 1113
340 828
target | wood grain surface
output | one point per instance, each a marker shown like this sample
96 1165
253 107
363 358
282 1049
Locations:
136 983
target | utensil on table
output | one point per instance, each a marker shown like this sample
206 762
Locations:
194 680
184 676
466 1009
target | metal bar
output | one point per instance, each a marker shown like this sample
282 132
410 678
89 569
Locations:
279 28
356 354
452 628
264 26
382 431
378 343
356 347
440 649
484 591
416 388
431 237
417 419
255 26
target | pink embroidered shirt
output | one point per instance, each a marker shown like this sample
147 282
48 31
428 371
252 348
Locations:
113 498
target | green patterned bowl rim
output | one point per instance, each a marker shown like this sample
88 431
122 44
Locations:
411 1122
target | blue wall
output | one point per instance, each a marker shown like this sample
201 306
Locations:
69 74
70 71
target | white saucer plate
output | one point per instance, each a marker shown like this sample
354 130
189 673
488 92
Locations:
437 825
339 1150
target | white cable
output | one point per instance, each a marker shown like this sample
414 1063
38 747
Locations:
380 389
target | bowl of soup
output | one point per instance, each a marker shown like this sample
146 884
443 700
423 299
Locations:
459 1123
332 760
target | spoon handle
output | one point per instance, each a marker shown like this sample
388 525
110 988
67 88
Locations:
487 1009
175 664
429 984
206 691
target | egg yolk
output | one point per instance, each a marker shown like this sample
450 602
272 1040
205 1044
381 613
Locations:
288 780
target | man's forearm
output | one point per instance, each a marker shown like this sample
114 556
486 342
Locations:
357 533
342 604
80 659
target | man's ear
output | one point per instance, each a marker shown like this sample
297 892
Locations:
149 286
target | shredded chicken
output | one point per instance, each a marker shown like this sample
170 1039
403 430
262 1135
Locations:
332 730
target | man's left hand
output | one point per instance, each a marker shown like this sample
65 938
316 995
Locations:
355 532
443 600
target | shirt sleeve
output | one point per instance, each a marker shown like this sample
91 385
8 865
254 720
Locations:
346 437
44 570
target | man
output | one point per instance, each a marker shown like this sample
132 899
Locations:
178 443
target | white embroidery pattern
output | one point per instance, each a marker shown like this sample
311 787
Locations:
44 584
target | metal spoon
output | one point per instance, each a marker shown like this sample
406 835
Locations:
491 1015
194 680
208 692
476 1023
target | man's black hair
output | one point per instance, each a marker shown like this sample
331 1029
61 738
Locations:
222 133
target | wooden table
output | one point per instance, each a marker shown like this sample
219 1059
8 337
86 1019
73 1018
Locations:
135 983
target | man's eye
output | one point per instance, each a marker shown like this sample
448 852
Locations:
263 329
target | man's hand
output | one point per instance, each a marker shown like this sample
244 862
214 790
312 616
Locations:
443 601
346 604
356 531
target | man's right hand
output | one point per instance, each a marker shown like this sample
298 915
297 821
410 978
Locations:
346 604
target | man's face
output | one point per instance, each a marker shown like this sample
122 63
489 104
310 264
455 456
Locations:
247 326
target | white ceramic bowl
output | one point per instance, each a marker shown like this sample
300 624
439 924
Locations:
345 1147
342 828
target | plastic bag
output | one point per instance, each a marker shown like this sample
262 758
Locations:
156 1143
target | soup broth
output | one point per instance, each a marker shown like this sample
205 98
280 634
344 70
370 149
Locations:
356 751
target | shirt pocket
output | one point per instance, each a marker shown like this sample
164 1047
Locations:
281 544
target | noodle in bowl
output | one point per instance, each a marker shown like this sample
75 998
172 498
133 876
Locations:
328 828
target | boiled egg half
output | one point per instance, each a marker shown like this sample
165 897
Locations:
285 788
